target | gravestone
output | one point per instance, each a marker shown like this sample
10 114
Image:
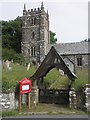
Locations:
6 64
28 66
61 72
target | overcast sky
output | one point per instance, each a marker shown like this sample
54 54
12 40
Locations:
69 20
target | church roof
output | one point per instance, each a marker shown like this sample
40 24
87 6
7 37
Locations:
70 48
52 60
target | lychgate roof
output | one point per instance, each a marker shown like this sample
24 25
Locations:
52 60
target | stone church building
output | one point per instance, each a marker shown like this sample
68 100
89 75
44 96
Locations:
35 33
36 39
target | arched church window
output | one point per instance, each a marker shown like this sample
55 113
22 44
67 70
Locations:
33 35
33 51
79 61
29 20
34 21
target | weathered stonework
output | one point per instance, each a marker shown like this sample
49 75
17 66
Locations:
74 51
33 98
87 96
8 101
80 99
36 39
35 33
72 98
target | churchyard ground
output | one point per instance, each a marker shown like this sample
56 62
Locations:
10 78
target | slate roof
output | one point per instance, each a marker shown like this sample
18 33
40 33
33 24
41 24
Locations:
70 48
52 59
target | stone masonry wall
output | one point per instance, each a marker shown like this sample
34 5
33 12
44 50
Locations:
80 99
87 97
35 33
8 101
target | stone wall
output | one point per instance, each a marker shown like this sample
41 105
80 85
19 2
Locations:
80 99
72 51
87 97
8 101
73 58
33 98
72 98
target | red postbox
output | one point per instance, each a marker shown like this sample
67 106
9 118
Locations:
25 86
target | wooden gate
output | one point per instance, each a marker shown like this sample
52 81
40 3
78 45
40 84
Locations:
54 96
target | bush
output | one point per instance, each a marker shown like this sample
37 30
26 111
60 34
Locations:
82 79
9 54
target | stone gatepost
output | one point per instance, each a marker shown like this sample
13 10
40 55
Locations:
72 98
12 100
34 96
24 99
87 97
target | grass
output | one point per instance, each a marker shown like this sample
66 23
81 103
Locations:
10 78
43 109
10 113
82 79
56 80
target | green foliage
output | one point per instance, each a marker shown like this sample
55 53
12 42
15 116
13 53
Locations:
9 54
10 78
9 113
12 37
53 40
56 80
12 34
82 79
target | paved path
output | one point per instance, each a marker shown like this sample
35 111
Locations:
49 117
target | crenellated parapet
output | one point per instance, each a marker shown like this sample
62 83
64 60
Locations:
30 12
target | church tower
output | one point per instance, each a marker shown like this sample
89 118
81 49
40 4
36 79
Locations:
35 33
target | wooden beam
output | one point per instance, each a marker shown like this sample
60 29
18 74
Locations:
20 102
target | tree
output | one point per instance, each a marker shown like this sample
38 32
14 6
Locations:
12 37
11 40
53 40
12 34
